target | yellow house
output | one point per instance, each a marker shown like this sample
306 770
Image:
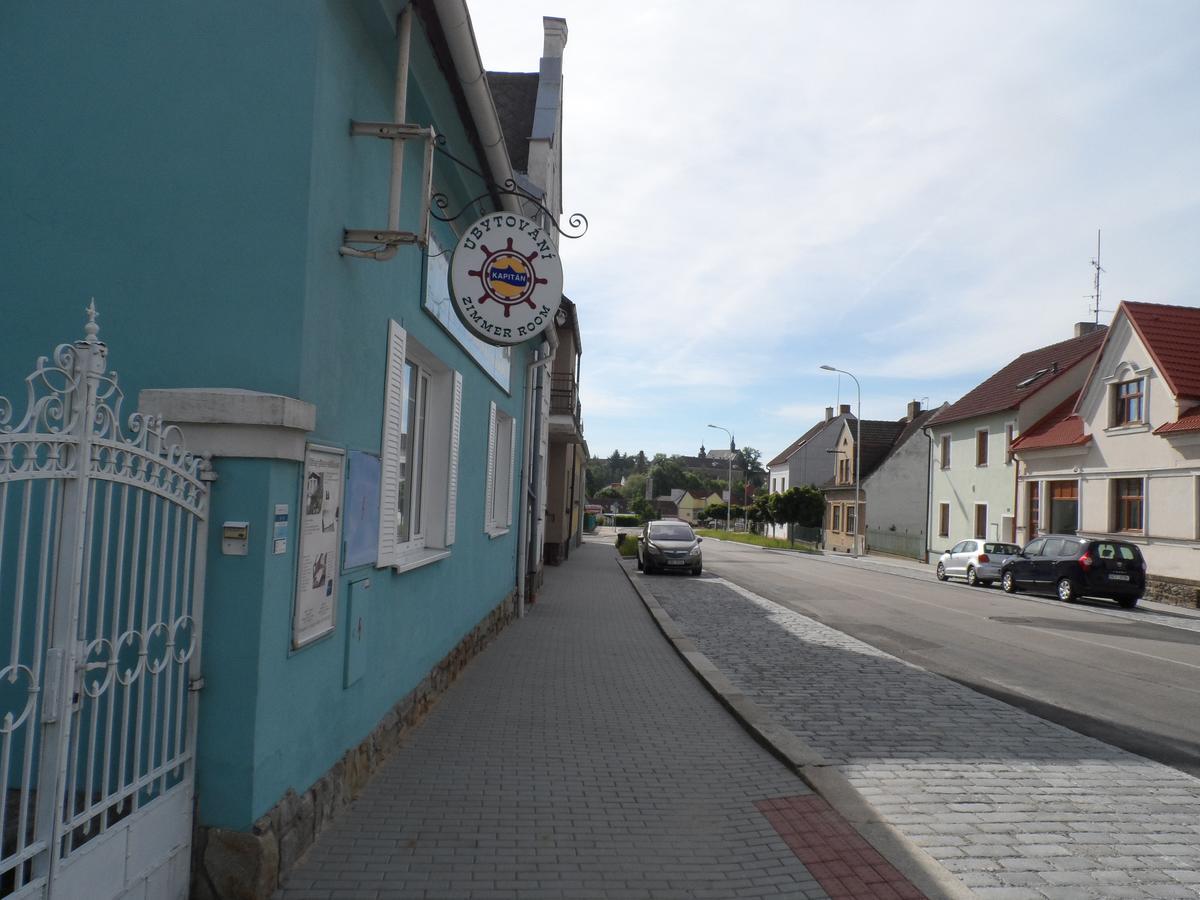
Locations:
691 503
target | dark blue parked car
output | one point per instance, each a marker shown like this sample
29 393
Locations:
1072 567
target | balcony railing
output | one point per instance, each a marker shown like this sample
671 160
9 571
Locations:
564 395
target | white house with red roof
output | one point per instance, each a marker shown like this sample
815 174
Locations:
1127 446
973 478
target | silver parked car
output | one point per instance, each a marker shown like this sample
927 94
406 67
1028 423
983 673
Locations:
977 561
669 544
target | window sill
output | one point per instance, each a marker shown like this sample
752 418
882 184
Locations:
416 560
1127 429
494 533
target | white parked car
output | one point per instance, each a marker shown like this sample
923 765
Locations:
977 561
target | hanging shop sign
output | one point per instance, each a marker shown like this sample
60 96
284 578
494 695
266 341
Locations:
506 279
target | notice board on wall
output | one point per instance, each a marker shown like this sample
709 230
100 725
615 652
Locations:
314 612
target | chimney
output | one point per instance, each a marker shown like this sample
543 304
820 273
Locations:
845 409
1082 328
555 31
914 409
828 413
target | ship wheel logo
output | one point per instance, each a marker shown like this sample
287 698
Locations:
508 277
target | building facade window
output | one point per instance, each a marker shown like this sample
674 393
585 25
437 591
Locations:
418 455
495 360
1129 504
981 447
1064 506
945 460
943 520
981 520
836 520
1127 402
1008 442
851 519
501 451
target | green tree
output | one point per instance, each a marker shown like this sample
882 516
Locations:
639 462
644 508
803 506
635 487
751 461
668 474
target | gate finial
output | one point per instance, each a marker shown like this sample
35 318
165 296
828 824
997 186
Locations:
91 329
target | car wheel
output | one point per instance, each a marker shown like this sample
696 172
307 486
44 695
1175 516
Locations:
696 571
972 578
1127 602
1066 590
941 572
1008 583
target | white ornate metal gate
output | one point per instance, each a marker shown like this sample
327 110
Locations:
102 540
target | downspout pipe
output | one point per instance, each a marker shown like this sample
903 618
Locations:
928 493
464 52
541 358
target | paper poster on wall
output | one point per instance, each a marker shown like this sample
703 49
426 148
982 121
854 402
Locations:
315 612
362 510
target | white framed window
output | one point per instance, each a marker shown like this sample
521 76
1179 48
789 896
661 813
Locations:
502 435
418 479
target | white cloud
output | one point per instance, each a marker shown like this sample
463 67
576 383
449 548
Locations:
909 191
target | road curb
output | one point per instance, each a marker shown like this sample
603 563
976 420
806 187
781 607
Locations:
936 882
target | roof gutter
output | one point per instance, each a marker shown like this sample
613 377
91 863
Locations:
464 51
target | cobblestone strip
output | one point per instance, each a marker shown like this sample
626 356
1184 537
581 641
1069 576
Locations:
1015 806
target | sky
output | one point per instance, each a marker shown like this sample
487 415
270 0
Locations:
910 192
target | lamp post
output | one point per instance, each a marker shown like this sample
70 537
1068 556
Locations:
729 503
857 459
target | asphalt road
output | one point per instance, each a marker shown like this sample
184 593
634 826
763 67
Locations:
1130 683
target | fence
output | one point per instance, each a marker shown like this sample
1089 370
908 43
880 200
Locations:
897 543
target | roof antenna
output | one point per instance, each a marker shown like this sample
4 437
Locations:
1095 297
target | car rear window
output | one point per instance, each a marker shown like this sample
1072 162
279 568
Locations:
1003 549
1127 552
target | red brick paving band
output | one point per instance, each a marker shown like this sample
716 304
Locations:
841 860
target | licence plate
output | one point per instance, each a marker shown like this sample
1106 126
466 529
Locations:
1117 576
676 562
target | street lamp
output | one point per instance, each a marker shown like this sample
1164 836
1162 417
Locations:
729 503
857 459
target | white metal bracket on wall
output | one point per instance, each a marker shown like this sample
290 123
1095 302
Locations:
386 240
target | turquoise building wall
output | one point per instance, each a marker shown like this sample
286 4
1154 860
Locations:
190 166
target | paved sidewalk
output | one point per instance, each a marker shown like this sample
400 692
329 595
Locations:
1015 806
578 757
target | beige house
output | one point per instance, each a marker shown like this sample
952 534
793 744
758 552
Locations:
566 454
973 478
1121 458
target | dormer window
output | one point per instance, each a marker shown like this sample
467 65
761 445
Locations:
1127 402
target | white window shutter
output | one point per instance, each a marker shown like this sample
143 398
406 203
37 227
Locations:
452 476
489 506
512 464
389 453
